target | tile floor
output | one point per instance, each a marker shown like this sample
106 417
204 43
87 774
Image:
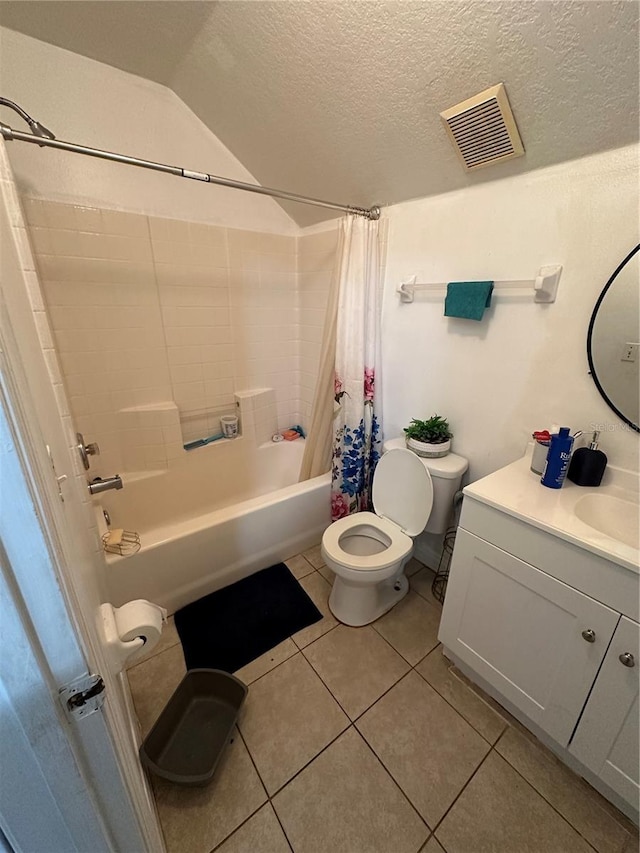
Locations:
367 740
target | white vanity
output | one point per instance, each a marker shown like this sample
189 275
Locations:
542 611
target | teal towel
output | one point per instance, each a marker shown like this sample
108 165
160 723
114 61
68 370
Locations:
467 299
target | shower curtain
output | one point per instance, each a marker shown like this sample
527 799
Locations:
348 388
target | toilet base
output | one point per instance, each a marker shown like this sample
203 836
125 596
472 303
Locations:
357 604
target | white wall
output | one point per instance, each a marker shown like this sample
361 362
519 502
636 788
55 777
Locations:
524 366
93 104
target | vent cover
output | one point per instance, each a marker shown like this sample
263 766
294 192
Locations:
483 130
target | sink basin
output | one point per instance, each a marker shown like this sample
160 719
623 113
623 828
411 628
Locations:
612 516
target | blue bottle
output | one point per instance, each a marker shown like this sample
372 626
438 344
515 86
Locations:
558 459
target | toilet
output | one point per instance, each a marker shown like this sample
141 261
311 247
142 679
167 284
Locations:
369 550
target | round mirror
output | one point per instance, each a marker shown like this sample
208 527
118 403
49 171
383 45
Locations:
613 341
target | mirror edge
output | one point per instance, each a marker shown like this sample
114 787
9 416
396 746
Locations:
592 369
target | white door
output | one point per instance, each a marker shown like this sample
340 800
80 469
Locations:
54 565
536 640
606 740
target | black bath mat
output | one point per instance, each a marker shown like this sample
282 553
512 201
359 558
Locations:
237 624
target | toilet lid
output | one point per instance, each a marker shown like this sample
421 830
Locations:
403 491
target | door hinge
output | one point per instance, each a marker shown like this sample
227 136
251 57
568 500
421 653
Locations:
82 696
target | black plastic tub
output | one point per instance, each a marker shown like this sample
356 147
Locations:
190 735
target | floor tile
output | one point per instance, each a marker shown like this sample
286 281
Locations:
357 666
299 566
411 627
314 556
345 802
196 819
289 716
498 812
568 793
262 833
327 573
421 583
427 747
318 591
432 846
266 662
413 567
440 674
168 638
152 683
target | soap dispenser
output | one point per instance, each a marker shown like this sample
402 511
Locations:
588 464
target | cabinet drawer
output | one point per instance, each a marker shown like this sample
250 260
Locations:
606 740
526 633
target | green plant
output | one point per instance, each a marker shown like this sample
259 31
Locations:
435 430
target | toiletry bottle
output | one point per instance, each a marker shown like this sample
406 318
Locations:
541 440
588 464
558 457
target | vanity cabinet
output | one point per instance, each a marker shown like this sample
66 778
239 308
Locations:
534 639
606 740
551 631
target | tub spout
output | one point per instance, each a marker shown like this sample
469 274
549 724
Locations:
99 485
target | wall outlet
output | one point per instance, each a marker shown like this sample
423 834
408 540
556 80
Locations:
630 352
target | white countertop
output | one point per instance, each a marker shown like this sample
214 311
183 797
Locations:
517 491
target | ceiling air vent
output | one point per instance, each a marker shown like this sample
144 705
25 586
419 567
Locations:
483 130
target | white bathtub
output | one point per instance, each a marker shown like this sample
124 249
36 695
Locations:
226 511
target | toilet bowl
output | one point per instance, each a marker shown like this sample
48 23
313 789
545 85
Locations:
368 551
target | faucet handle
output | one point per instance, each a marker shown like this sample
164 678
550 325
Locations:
99 485
86 450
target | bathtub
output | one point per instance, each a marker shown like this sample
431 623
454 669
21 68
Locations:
225 511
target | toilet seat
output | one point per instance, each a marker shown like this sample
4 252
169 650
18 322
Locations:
402 498
400 544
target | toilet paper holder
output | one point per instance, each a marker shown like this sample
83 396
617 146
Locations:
128 629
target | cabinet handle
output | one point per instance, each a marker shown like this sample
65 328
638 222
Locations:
627 659
589 635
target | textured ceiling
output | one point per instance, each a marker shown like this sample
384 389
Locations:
341 100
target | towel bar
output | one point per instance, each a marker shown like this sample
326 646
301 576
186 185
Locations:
544 286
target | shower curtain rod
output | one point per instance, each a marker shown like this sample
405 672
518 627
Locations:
45 139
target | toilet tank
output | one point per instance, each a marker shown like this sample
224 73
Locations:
446 476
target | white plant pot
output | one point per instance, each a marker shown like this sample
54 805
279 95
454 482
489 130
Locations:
431 451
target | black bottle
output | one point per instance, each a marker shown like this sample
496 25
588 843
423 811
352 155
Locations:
588 464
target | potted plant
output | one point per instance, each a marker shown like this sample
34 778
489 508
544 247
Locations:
430 438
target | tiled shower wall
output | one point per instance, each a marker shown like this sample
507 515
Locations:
146 310
150 312
316 258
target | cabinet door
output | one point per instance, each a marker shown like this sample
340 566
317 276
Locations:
536 640
606 740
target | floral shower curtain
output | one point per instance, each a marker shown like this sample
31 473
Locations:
357 434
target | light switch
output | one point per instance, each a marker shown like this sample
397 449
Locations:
630 352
